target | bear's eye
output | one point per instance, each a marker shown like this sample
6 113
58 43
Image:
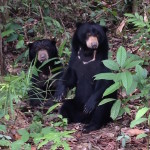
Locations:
96 35
88 34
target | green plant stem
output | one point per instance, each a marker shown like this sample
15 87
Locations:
6 102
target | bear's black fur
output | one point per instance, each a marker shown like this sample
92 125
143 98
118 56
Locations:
89 49
39 52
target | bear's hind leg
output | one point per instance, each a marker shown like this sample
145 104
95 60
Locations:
101 116
70 111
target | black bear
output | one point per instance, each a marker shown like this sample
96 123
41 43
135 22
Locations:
45 81
89 49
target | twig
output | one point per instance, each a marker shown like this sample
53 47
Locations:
116 3
62 24
43 21
25 32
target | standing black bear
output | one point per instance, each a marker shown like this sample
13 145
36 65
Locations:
89 49
42 88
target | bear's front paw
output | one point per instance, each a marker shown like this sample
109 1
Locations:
89 107
90 127
60 93
59 97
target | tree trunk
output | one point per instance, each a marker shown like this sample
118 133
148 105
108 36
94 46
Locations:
3 17
1 56
135 6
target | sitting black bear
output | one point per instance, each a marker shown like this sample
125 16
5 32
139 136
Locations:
89 49
43 84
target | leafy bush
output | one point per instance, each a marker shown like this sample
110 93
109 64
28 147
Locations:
13 89
128 76
38 134
123 138
142 37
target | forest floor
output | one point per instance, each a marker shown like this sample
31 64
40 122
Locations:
102 139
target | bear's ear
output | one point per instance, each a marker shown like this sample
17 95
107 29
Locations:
78 24
105 28
30 45
53 41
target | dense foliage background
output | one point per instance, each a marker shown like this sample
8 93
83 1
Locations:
22 22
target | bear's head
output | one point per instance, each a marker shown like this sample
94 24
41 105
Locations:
44 49
90 36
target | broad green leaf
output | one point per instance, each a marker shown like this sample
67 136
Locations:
132 88
119 138
21 56
149 119
103 22
115 109
121 112
8 137
3 128
127 110
141 136
118 77
34 70
132 20
121 56
12 37
5 136
129 60
52 108
47 130
139 70
141 112
123 142
43 143
142 73
66 145
112 88
127 79
47 61
24 135
128 15
133 64
106 100
17 145
61 48
106 76
126 136
136 122
137 15
7 33
2 8
20 44
111 65
27 146
13 26
4 143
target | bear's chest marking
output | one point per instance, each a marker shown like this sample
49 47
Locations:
80 57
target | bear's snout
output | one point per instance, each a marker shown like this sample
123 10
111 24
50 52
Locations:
92 42
42 55
94 45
